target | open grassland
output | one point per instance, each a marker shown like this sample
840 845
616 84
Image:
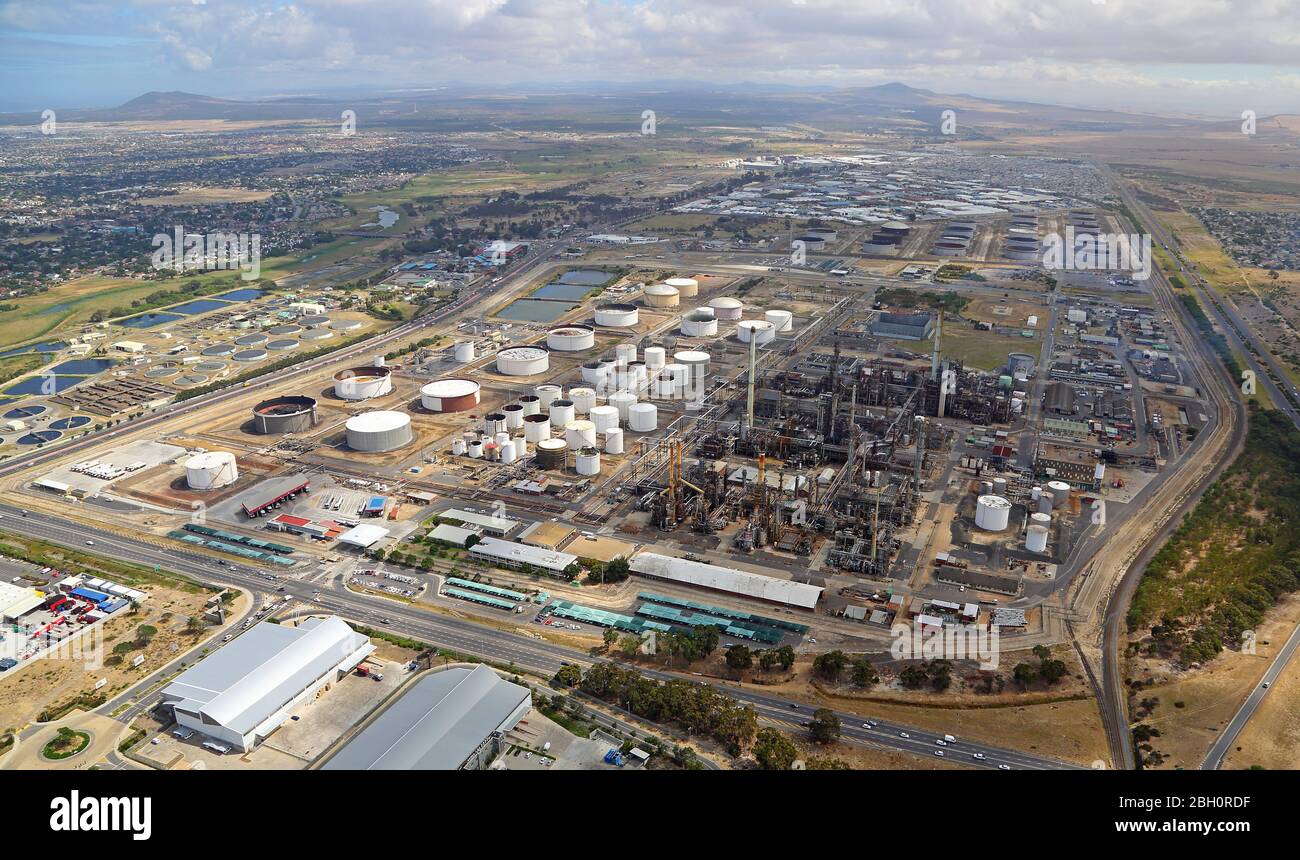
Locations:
983 350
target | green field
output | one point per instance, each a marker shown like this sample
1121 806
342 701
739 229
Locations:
979 350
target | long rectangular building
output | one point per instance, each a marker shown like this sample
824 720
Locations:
503 553
717 578
245 690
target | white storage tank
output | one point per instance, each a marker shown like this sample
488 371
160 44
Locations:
514 413
614 440
1036 538
532 404
604 417
546 394
508 453
727 308
696 364
579 434
679 373
562 412
537 427
377 432
594 372
992 513
622 401
661 296
476 449
761 331
1040 519
450 395
588 460
643 417
494 423
464 351
783 321
1060 492
686 287
501 438
664 386
458 447
700 324
523 361
625 354
362 383
210 470
617 315
1045 503
571 338
655 357
1000 487
583 399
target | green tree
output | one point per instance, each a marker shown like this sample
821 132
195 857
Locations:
774 750
739 658
831 665
568 676
825 726
864 674
1025 674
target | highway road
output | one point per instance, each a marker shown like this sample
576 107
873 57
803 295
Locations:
504 648
1223 744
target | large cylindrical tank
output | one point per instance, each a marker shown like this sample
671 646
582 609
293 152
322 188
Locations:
1060 492
292 414
501 438
700 324
603 417
550 453
727 308
588 460
1000 487
661 296
643 417
992 513
361 383
571 338
210 470
583 399
616 315
614 440
537 427
562 412
508 454
578 434
450 395
464 351
697 367
532 404
376 432
655 357
783 321
523 361
621 401
761 331
686 287
663 386
679 373
624 354
548 393
1036 538
514 413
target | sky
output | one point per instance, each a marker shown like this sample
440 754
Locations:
1211 58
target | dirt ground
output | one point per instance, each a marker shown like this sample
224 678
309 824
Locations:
52 682
1271 739
864 758
1211 695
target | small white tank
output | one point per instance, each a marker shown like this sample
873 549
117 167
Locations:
614 440
583 399
531 403
655 357
1039 519
992 513
782 320
604 417
548 393
537 428
464 351
514 413
643 417
588 461
1000 487
1060 492
625 353
458 447
476 449
622 401
580 434
508 453
562 412
1036 539
501 438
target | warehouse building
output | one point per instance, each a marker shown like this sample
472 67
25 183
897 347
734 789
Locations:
488 523
453 719
503 553
736 582
904 326
243 692
15 601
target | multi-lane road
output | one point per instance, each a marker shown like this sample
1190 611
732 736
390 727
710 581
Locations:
505 648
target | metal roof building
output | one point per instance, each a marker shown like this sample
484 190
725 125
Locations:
16 600
702 575
506 554
449 720
245 690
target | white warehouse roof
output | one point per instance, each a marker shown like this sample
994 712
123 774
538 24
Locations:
516 553
364 535
245 683
16 600
739 582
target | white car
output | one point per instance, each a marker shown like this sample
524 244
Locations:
1004 767
940 742
939 753
978 756
904 735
